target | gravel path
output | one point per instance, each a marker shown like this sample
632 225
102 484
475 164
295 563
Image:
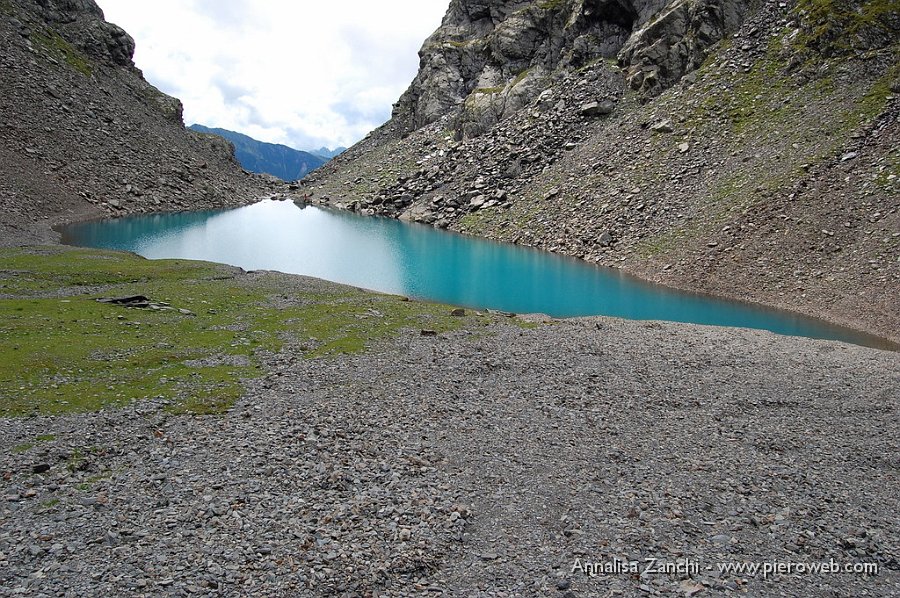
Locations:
478 465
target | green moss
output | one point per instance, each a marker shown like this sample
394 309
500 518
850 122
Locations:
474 44
521 216
873 103
71 353
351 322
837 26
73 463
487 90
551 5
890 168
7 8
26 446
757 96
89 483
520 77
56 45
661 244
721 202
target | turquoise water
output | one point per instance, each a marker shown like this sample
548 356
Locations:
419 261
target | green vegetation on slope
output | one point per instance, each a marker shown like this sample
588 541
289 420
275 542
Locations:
60 350
801 121
59 47
551 4
837 26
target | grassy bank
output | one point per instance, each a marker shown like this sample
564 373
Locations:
207 332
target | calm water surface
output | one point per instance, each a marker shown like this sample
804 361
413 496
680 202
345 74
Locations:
419 261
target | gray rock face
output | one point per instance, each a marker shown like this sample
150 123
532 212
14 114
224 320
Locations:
665 49
652 174
82 22
490 58
597 108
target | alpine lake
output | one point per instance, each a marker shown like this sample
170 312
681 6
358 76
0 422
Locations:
422 262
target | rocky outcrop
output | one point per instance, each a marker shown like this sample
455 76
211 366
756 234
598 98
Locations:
491 58
81 22
676 41
83 134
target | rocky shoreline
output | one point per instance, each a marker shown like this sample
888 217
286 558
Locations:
476 463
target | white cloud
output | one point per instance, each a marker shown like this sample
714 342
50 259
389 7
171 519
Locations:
305 74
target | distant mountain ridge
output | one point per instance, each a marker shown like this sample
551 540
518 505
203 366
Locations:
328 154
284 162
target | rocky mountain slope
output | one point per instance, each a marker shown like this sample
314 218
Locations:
83 134
281 161
746 148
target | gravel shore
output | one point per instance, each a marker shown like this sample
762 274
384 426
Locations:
504 463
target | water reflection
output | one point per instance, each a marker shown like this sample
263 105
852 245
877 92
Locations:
419 261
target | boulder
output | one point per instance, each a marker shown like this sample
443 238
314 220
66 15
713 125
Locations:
603 108
663 126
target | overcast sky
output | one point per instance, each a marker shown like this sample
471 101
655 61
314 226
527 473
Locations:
305 74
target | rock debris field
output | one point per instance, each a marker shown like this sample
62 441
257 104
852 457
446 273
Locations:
485 464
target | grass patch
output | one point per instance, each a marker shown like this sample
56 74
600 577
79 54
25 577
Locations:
662 244
730 194
75 460
872 104
27 446
839 26
459 44
56 45
70 353
520 77
551 5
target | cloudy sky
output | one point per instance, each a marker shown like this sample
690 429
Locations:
305 74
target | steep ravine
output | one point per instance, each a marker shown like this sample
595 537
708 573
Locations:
742 148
